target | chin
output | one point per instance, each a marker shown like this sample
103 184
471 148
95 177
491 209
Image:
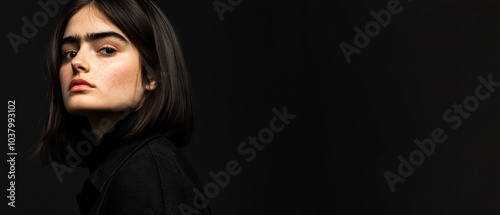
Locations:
79 107
89 110
78 111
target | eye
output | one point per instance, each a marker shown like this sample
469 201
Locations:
107 51
69 55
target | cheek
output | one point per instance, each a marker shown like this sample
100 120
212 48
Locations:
64 77
125 79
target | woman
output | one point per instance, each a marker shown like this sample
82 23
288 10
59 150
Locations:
117 72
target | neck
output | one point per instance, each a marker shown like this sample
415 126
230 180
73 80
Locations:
102 124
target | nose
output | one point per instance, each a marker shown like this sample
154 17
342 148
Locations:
80 63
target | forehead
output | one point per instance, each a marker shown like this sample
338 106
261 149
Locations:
89 20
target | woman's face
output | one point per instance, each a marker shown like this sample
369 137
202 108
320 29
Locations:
100 70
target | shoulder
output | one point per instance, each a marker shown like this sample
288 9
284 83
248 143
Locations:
169 160
155 178
155 156
164 158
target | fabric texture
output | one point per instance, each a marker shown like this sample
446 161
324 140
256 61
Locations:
148 175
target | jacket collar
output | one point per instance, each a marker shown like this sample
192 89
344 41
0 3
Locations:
116 157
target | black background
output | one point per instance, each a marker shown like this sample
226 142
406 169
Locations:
353 120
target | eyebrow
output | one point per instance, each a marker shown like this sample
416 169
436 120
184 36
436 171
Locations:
93 37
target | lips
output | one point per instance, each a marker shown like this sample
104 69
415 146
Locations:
79 85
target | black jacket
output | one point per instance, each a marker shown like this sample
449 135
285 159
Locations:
144 176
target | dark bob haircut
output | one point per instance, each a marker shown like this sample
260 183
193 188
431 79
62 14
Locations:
167 108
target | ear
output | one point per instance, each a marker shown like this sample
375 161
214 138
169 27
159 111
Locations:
151 84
